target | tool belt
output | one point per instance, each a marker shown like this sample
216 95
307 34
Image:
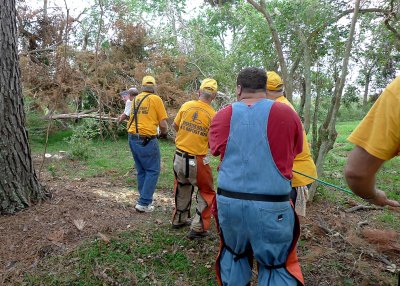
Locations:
145 138
253 197
184 155
187 157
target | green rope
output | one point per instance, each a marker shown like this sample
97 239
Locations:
326 183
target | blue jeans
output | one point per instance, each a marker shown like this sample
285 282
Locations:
147 163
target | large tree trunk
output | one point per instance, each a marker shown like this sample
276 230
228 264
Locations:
327 131
19 186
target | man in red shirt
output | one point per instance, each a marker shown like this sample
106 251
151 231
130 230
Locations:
258 140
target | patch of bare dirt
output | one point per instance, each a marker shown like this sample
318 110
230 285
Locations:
348 248
79 209
337 246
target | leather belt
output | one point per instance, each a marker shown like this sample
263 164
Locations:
184 155
253 197
138 136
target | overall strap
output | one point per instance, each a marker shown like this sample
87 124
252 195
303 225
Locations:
248 251
135 112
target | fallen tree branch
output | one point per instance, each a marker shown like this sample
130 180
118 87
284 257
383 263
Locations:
37 51
323 225
361 207
331 232
81 115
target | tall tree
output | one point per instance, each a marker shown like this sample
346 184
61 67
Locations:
19 186
261 7
327 131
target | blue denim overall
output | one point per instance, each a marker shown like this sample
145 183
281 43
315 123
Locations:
249 225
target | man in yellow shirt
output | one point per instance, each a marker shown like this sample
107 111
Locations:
303 162
147 113
377 139
191 162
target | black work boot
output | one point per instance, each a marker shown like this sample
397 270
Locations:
194 234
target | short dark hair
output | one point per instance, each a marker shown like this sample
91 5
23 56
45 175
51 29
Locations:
252 79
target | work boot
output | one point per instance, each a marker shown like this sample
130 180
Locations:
194 234
178 226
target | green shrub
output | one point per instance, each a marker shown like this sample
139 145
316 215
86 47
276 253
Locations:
351 112
80 140
35 124
79 148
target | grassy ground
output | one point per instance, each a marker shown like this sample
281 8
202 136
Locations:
131 258
155 254
111 157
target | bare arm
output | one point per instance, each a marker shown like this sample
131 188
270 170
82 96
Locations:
163 126
121 118
360 174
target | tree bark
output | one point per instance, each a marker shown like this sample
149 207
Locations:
278 47
45 18
327 131
315 125
97 64
307 82
366 87
302 99
19 186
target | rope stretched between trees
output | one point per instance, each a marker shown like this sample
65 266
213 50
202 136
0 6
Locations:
326 183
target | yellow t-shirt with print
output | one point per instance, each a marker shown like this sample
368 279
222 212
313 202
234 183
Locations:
151 112
303 162
379 132
194 119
